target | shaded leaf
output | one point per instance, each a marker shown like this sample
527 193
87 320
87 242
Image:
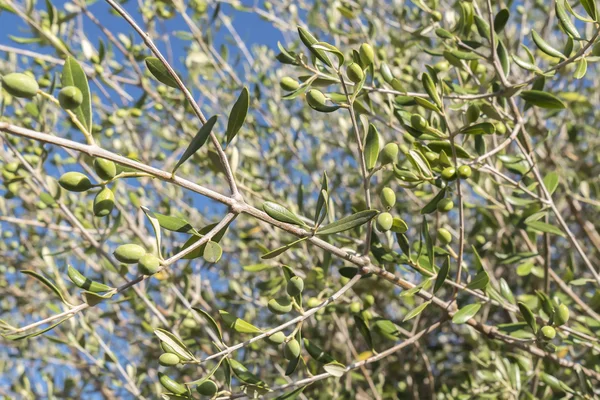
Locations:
48 283
197 142
349 222
160 72
238 113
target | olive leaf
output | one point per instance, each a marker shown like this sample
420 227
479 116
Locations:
212 252
335 369
174 343
564 19
211 322
483 128
322 201
237 116
160 72
372 147
282 214
440 145
74 75
330 49
237 324
362 327
317 353
541 226
347 223
48 283
480 281
309 40
416 311
528 316
197 142
36 333
81 281
465 313
442 275
545 47
282 249
175 224
501 19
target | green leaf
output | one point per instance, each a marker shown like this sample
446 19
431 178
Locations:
431 206
564 19
36 333
237 324
335 369
330 49
175 224
466 313
212 252
545 227
500 20
528 316
506 292
256 267
282 249
429 86
440 145
211 322
416 311
386 328
545 47
372 147
590 8
322 201
484 128
442 275
93 298
242 373
428 241
309 40
48 283
480 281
238 114
155 225
551 182
362 327
317 353
581 69
197 142
174 343
160 72
282 214
503 56
81 281
347 223
74 75
542 99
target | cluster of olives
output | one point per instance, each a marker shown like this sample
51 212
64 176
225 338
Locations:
25 86
10 175
148 263
104 201
560 316
284 304
385 221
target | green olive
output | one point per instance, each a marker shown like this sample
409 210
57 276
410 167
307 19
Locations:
280 306
105 169
369 300
464 172
389 154
548 332
295 286
316 98
384 221
388 197
276 339
148 264
436 16
20 85
418 122
289 84
355 72
445 205
207 388
355 307
129 253
171 385
70 97
500 128
168 359
313 302
104 202
562 315
75 182
291 351
473 113
444 236
367 54
386 73
449 174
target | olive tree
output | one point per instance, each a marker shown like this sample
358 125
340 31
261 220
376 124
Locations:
372 200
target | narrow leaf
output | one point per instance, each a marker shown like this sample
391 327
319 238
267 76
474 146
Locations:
238 115
211 322
74 75
349 222
372 147
416 311
160 72
282 214
48 283
542 99
466 313
197 142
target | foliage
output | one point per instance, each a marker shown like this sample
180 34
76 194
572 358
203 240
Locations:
398 201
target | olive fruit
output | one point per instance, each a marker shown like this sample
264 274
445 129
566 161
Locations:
388 197
384 221
386 73
276 339
189 322
280 306
291 351
207 388
562 315
313 302
500 128
464 172
444 236
449 174
289 84
105 169
168 359
171 385
148 264
129 253
436 16
295 286
418 122
20 85
355 307
355 72
367 54
548 332
104 202
75 182
70 97
315 98
389 154
473 113
445 205
369 300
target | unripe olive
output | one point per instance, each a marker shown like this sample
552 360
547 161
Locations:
464 172
129 253
500 128
444 236
104 202
445 205
276 339
11 167
389 154
388 197
473 113
355 307
313 302
367 54
562 315
75 182
148 264
385 72
384 221
289 84
295 286
418 122
70 97
207 388
399 226
171 385
105 169
280 306
315 98
355 72
431 157
168 359
548 332
369 300
436 16
188 322
291 351
449 174
20 85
